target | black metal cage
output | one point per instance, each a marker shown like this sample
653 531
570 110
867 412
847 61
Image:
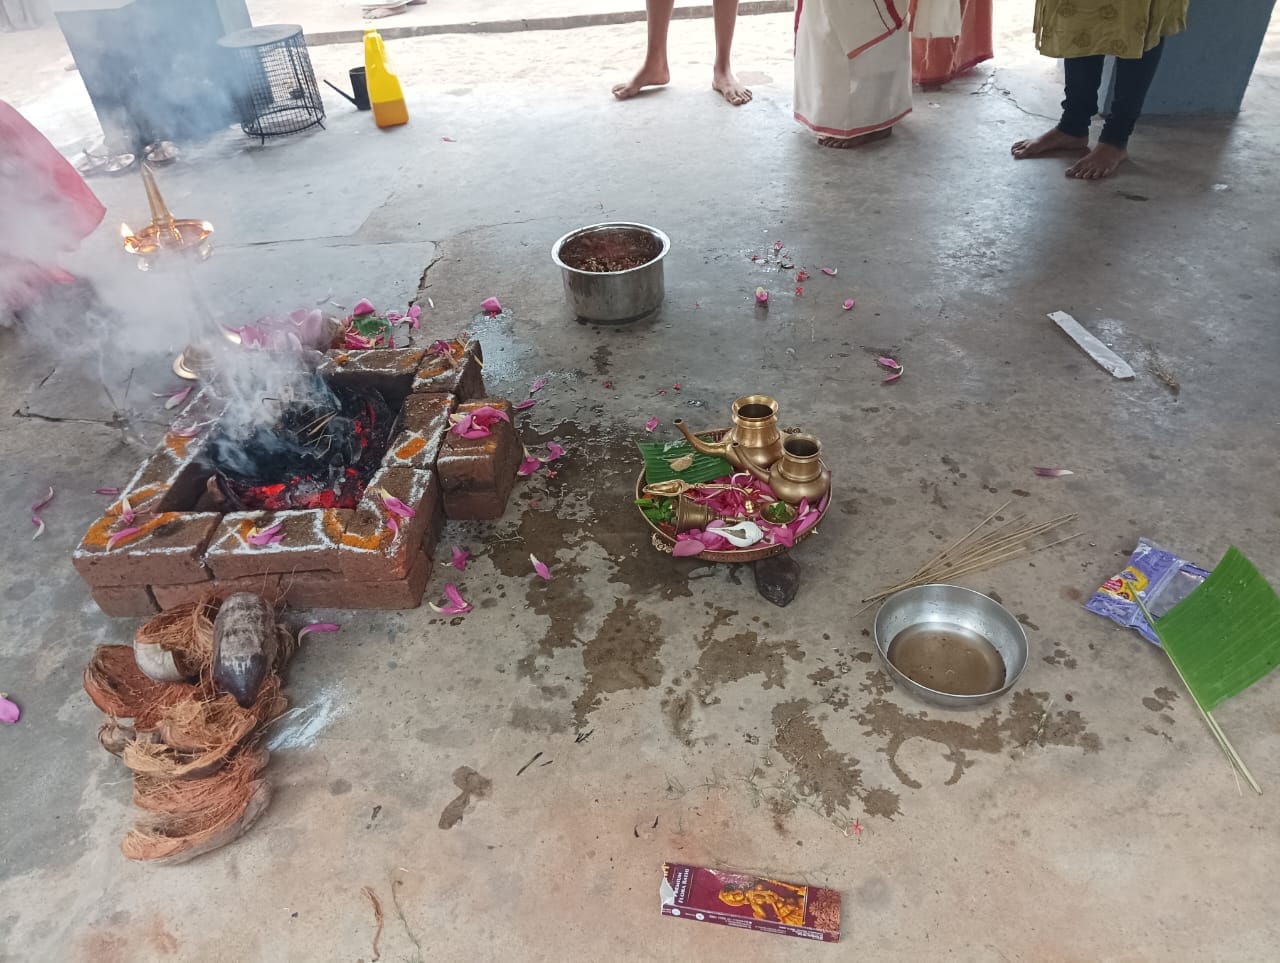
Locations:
276 87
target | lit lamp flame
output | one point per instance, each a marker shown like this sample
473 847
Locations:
165 233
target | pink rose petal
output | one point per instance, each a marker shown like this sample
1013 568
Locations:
393 525
848 304
38 522
540 568
178 397
802 525
651 424
106 491
538 385
9 711
525 405
886 362
414 317
266 536
777 245
782 535
127 514
687 547
762 296
830 272
893 377
491 306
448 140
554 451
457 604
120 536
317 627
44 501
801 276
460 556
530 465
394 505
1052 472
363 306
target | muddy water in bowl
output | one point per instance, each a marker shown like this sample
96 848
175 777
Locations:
947 657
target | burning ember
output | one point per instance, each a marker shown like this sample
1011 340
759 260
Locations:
320 452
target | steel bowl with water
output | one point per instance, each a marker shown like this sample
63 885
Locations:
950 636
614 296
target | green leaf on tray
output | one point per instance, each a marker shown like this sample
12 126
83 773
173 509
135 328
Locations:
1225 635
659 455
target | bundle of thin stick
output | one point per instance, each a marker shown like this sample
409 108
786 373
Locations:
977 549
192 749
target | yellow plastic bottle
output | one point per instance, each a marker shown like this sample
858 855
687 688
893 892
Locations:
385 95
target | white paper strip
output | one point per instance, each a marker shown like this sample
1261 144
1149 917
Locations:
1095 349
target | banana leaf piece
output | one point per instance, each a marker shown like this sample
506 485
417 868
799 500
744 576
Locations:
659 455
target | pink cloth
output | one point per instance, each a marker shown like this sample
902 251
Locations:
938 60
45 207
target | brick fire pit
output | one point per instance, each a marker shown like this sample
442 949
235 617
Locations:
327 557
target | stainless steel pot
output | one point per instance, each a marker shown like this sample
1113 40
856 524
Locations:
614 296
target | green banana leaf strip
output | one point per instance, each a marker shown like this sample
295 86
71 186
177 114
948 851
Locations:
659 455
1225 635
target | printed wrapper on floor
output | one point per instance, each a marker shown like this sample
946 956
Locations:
750 902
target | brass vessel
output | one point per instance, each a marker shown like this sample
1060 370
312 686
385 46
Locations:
691 515
754 431
799 474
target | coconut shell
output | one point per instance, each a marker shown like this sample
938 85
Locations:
245 643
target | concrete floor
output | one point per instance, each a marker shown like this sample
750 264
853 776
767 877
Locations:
1088 816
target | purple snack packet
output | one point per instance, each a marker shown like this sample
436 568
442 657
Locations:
1161 579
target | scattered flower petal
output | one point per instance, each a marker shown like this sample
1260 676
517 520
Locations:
44 501
1052 472
895 376
606 384
178 397
676 386
491 306
554 451
762 296
541 568
802 276
687 547
127 514
186 432
525 405
266 536
806 522
317 627
460 556
414 317
887 362
448 140
457 604
777 245
848 304
363 306
538 385
106 491
799 291
530 465
477 424
651 424
120 536
38 522
394 505
662 391
782 535
830 272
393 525
9 711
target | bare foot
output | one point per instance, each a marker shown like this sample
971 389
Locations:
845 143
725 82
1047 143
650 75
1100 162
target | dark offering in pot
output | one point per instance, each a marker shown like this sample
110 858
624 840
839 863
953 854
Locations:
602 252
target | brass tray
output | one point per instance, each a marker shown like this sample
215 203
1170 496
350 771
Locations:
665 543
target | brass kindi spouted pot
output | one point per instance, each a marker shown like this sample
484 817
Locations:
754 431
799 474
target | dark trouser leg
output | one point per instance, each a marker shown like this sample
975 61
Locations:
1084 76
1133 80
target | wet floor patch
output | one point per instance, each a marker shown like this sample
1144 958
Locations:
473 787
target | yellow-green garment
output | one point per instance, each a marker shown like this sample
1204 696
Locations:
1122 28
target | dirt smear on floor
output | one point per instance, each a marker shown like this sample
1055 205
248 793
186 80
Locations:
623 655
829 778
473 786
1030 720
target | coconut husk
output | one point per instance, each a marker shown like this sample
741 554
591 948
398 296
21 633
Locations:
118 687
184 633
155 793
176 838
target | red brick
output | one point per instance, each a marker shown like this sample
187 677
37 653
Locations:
389 370
462 374
270 587
325 590
424 421
370 550
477 474
168 550
125 601
306 546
